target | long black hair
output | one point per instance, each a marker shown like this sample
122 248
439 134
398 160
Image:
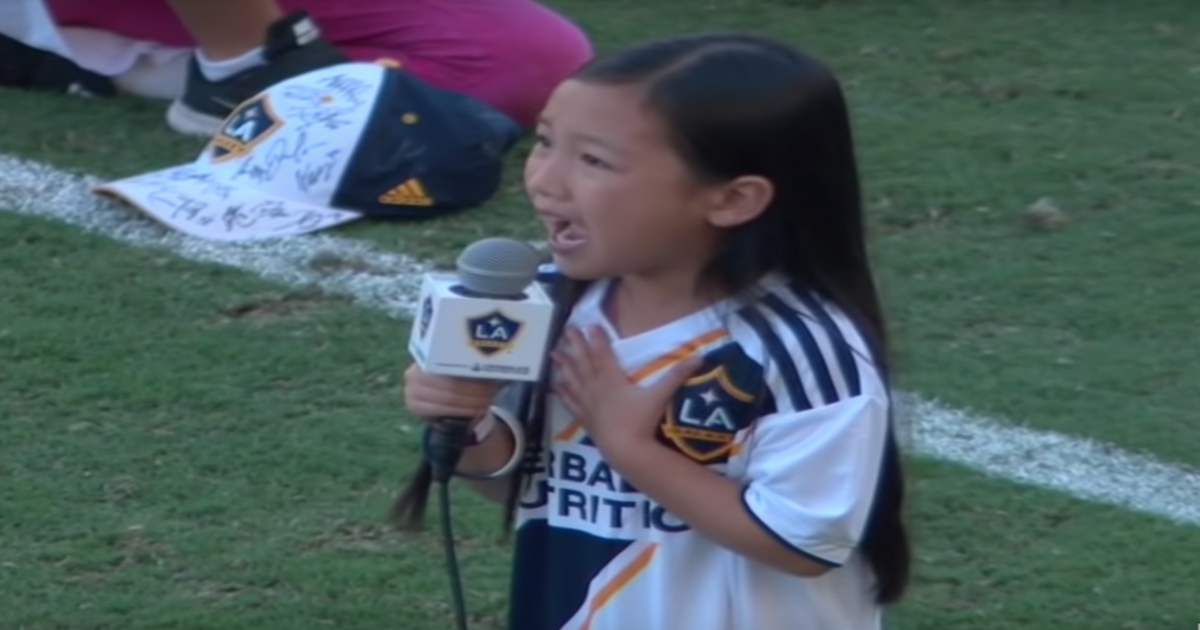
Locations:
737 105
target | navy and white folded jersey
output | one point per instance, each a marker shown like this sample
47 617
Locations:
789 403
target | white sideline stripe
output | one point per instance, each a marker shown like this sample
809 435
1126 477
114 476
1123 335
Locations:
357 269
1079 467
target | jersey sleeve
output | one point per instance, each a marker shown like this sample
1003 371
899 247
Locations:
811 465
811 476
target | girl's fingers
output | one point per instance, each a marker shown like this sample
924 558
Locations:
571 382
570 372
446 398
569 398
430 402
437 411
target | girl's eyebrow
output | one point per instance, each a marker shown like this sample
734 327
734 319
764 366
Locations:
598 140
585 137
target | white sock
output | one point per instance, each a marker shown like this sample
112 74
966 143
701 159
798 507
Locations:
221 70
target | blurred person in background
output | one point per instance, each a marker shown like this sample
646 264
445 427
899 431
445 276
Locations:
207 56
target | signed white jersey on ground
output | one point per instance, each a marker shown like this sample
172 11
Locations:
789 403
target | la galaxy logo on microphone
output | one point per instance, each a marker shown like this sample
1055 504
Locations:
711 408
493 332
248 126
426 315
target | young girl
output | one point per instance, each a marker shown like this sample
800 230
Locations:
711 447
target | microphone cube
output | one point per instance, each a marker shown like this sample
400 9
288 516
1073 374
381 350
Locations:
457 333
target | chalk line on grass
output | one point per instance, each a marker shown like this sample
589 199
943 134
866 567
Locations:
1077 466
1080 467
356 269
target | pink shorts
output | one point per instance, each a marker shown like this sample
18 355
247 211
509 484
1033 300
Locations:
508 53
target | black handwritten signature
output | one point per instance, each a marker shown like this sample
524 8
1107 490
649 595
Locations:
310 107
349 88
317 171
183 207
276 213
329 117
282 151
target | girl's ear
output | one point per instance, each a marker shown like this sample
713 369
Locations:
740 201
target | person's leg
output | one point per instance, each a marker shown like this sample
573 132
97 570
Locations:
225 29
142 20
509 54
533 50
25 67
159 74
33 55
245 46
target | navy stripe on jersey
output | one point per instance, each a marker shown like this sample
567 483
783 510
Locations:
841 347
799 327
780 355
792 344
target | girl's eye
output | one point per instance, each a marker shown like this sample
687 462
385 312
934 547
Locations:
592 160
541 140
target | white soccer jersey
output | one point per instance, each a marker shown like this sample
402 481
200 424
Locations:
790 404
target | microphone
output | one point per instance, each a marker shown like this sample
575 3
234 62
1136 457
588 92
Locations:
489 320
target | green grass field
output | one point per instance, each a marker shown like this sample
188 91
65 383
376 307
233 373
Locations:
189 446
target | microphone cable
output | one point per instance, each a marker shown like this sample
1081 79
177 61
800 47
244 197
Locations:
447 439
492 269
458 601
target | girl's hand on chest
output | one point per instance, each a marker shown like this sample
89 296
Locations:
614 411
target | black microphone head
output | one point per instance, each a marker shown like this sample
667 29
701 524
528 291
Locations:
498 266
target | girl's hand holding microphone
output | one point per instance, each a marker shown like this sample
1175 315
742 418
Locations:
432 397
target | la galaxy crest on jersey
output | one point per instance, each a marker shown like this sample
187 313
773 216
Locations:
715 404
493 332
248 126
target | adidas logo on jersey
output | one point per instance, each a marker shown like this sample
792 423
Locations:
410 193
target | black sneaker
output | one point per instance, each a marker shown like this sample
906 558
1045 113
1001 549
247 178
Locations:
293 47
30 68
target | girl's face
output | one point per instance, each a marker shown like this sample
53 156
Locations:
614 196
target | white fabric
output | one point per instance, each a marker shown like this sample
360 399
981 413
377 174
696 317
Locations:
143 68
29 22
